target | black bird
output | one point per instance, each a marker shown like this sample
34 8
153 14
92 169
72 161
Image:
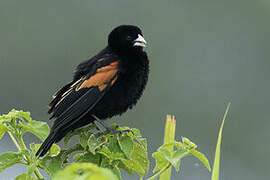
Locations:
106 85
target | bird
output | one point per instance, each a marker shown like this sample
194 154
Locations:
103 86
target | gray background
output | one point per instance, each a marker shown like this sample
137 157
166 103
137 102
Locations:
203 54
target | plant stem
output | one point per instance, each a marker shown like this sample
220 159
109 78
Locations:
14 141
37 172
159 173
169 136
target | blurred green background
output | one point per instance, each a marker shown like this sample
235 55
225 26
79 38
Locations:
203 54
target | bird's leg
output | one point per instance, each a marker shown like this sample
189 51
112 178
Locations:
108 129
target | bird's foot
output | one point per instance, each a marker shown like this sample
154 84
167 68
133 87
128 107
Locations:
112 131
108 130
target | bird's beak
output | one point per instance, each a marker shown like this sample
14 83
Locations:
140 41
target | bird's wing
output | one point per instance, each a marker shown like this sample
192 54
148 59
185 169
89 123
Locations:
80 96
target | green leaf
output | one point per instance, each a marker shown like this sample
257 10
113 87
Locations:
106 163
3 129
25 115
173 157
38 128
215 172
24 177
87 157
9 159
19 114
84 139
34 147
117 172
177 156
117 153
105 151
189 143
31 168
201 157
84 171
126 144
54 166
161 161
77 132
121 165
139 160
95 142
77 156
54 150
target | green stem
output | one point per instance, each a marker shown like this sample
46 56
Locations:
14 140
36 171
23 147
159 173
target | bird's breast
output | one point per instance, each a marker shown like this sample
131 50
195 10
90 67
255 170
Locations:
125 93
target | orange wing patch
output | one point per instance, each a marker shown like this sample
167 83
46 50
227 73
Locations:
101 78
115 63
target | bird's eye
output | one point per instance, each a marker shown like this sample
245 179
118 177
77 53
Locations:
129 38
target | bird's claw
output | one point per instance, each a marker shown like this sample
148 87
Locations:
112 131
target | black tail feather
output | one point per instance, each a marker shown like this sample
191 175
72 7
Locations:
46 145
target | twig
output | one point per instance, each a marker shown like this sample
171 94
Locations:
36 171
160 172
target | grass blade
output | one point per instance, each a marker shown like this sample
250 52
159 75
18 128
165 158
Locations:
216 166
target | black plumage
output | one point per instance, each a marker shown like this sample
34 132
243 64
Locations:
106 85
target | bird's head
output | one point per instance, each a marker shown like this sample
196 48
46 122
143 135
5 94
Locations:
126 38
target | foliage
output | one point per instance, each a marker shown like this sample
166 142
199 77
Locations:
94 156
215 173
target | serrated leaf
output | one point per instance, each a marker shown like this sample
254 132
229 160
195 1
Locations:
25 115
38 128
83 139
88 157
201 157
84 171
3 129
135 166
117 172
105 151
126 145
117 153
54 166
139 160
143 141
105 163
161 161
9 159
76 132
54 150
95 142
19 114
121 165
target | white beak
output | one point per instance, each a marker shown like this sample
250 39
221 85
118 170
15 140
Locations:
140 41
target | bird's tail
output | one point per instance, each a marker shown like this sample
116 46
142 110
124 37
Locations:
46 145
